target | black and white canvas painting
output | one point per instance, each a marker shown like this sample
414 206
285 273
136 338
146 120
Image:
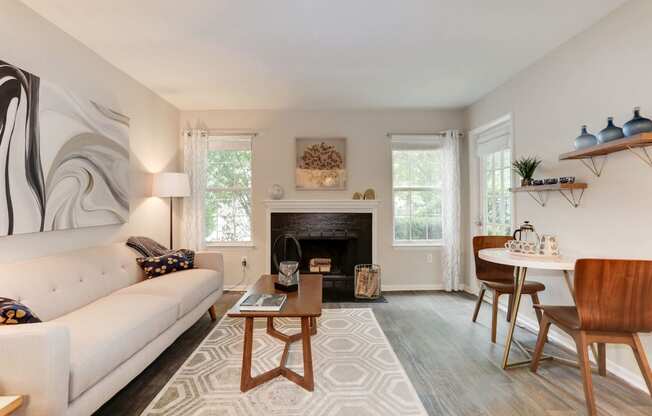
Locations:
64 160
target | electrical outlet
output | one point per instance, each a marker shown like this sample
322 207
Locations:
243 262
429 258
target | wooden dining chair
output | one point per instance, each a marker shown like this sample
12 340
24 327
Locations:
612 299
499 279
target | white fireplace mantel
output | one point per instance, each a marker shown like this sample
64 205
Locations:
319 206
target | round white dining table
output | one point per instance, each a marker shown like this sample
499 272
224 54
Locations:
521 264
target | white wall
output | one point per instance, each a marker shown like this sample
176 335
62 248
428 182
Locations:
602 72
368 164
35 45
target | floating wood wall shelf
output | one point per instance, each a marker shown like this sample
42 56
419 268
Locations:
595 157
540 193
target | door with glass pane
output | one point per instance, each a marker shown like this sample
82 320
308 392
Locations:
496 199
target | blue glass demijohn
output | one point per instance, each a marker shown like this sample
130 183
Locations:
610 133
585 139
638 124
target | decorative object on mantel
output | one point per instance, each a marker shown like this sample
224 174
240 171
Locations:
367 281
64 158
637 124
585 139
595 157
320 164
369 194
550 181
610 133
357 195
276 192
567 179
525 167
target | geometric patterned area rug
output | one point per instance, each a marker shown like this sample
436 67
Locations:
356 373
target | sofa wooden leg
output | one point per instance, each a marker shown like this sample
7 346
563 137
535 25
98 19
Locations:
213 313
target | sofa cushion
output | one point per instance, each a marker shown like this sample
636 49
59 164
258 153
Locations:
56 285
188 287
167 263
13 313
107 332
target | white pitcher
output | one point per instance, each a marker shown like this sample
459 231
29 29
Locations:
548 245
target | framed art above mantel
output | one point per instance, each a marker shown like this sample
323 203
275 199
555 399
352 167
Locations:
320 164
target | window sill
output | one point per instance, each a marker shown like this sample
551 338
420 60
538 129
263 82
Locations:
417 246
237 244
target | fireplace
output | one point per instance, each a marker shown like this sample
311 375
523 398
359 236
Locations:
341 231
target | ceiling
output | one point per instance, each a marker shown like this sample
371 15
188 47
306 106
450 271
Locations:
322 54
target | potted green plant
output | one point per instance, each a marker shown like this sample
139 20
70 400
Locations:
525 167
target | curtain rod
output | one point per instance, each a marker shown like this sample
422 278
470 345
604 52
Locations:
224 132
416 134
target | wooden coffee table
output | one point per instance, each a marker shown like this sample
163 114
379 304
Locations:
305 304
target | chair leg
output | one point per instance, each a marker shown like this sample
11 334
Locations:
478 303
510 305
641 359
544 326
535 301
494 315
585 370
602 359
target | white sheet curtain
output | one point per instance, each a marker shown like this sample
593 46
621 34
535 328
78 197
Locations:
195 148
451 206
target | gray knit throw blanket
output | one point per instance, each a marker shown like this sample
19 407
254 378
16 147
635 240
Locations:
147 247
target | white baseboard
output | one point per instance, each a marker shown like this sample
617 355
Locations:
236 288
386 288
396 288
559 338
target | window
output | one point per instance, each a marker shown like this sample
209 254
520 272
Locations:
497 199
416 183
227 201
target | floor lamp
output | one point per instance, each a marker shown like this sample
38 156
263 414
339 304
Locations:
171 185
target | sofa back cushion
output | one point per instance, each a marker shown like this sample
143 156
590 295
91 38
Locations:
56 285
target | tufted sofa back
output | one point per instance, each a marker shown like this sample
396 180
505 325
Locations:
56 285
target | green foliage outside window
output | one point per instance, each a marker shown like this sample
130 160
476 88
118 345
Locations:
227 203
417 195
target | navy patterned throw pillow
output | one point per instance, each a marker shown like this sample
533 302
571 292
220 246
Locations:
13 313
167 263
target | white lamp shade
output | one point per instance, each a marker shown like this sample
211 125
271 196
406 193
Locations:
171 184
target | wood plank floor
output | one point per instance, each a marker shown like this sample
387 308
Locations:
450 360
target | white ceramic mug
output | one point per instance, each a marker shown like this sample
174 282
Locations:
513 245
548 245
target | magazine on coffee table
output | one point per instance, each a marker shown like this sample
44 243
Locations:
263 302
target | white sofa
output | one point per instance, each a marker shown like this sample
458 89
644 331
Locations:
102 324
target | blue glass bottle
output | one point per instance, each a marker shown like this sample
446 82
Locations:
637 124
610 133
585 139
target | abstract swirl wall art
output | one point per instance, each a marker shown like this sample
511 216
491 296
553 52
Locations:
64 160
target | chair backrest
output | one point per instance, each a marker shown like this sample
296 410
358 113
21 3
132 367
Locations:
485 270
614 295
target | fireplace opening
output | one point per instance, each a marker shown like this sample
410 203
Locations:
336 242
